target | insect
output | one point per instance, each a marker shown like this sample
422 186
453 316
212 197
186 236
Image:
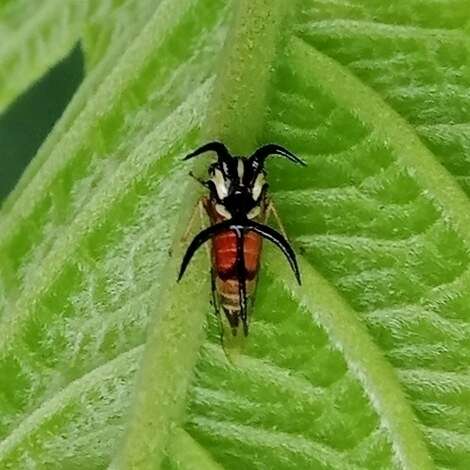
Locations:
238 208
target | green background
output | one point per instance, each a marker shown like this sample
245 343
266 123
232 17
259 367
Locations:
107 362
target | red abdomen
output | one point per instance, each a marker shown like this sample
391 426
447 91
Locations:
224 248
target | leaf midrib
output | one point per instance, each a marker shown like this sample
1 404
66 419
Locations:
234 116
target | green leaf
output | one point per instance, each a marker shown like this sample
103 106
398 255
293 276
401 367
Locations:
33 37
106 361
105 34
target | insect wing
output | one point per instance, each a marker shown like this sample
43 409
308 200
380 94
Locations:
232 339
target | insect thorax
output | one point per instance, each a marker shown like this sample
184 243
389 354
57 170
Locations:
238 188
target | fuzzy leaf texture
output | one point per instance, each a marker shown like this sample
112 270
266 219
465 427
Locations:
106 362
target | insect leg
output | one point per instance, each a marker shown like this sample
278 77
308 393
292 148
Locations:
191 222
199 208
271 209
202 211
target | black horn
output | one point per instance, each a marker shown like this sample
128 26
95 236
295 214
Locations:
264 230
218 147
202 237
275 237
273 149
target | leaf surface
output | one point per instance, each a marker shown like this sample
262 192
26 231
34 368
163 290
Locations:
364 366
33 37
